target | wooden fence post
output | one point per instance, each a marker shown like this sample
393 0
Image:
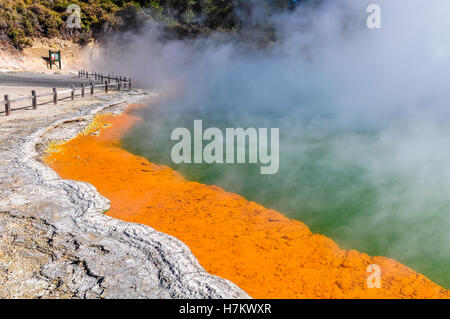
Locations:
72 94
34 100
55 96
106 86
129 84
92 88
82 89
119 84
79 73
87 75
95 76
7 105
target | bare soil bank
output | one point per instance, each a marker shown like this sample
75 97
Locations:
74 57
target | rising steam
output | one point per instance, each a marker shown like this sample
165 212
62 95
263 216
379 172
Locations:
364 117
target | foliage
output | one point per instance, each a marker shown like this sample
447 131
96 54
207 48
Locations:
22 20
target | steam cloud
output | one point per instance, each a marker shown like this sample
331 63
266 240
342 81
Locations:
363 115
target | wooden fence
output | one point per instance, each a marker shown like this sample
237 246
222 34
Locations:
103 82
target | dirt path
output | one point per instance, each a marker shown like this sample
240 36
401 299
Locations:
27 79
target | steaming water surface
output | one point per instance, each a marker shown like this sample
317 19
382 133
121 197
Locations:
364 119
354 186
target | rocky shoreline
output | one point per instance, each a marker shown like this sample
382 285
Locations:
55 241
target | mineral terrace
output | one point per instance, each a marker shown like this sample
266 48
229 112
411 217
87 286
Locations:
55 241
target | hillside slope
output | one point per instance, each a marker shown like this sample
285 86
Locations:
23 20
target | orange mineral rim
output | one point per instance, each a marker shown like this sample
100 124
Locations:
263 252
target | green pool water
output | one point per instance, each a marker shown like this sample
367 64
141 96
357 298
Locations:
348 184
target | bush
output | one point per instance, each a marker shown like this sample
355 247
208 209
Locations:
21 19
19 39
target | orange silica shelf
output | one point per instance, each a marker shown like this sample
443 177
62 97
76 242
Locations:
260 250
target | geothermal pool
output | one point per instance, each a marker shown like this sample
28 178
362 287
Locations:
382 189
363 118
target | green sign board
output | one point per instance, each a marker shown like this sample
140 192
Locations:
54 57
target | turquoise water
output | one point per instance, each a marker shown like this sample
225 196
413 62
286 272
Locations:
363 114
347 183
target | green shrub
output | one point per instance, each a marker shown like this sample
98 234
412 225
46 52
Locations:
18 38
21 19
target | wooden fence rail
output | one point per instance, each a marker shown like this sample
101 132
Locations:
102 78
118 84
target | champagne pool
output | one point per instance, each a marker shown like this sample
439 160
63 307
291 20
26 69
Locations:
381 190
363 118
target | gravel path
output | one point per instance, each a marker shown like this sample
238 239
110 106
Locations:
37 79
